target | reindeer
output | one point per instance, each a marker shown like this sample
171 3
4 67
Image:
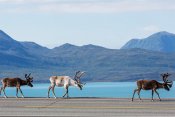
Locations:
65 81
16 82
153 85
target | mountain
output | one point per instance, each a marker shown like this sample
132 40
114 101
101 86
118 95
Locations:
11 46
161 41
65 49
100 64
69 49
35 49
18 54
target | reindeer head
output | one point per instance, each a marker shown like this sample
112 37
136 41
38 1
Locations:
29 80
167 84
77 77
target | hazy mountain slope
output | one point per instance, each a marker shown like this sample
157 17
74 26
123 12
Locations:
35 49
11 46
161 41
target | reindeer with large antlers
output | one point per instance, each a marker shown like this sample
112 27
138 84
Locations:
65 81
153 85
16 82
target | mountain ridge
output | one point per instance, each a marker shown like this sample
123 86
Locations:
101 64
161 41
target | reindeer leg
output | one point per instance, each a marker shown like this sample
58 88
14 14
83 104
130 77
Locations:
49 91
66 92
21 92
53 91
17 92
134 94
139 93
3 89
157 94
152 95
136 90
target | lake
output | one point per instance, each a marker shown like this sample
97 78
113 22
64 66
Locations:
97 89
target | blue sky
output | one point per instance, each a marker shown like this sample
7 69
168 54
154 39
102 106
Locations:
108 23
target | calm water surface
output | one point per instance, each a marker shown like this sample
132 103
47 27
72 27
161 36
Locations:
97 89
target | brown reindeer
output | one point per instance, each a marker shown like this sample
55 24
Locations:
153 85
16 82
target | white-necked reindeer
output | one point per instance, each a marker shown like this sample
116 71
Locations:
16 82
65 81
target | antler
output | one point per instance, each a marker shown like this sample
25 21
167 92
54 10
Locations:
27 76
170 84
78 75
75 77
165 77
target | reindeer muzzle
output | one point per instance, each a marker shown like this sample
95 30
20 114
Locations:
30 85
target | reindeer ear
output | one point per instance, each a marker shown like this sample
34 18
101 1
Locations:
30 78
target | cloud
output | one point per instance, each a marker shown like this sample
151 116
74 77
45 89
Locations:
106 7
24 1
86 6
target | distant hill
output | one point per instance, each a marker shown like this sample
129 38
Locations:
10 46
101 64
161 41
34 48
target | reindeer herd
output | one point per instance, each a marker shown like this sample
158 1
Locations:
60 81
66 81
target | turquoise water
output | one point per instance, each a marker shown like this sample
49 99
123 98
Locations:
98 89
